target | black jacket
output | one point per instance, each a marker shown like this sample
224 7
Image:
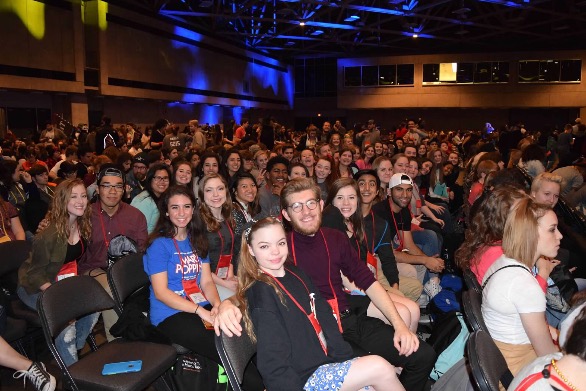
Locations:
288 350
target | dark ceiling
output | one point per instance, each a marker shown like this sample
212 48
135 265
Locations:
345 28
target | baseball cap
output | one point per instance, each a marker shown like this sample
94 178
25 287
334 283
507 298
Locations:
110 169
400 179
142 157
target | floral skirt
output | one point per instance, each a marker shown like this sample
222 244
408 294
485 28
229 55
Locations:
328 377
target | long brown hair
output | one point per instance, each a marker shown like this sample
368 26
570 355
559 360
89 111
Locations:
249 272
356 218
207 217
166 229
488 224
59 216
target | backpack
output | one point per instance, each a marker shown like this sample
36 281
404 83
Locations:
449 298
119 247
448 339
194 372
558 296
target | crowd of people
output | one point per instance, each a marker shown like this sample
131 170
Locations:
285 228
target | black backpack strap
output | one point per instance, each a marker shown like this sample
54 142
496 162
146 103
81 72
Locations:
506 378
497 270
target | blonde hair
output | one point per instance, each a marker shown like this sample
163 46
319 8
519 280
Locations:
521 235
545 177
59 216
249 272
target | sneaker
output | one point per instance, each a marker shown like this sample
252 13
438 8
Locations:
38 375
432 287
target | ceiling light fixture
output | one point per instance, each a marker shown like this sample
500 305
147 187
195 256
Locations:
352 18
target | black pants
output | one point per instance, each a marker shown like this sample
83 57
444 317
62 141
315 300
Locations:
187 329
376 337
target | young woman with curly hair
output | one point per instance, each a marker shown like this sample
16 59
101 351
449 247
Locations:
56 251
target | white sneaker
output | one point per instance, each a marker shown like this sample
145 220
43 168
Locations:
432 287
38 375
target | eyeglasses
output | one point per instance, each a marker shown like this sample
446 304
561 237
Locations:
140 168
297 207
108 187
161 178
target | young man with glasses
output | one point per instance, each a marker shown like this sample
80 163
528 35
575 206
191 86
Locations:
323 254
110 217
136 177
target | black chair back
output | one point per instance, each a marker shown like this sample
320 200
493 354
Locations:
14 253
235 354
70 299
487 362
472 303
471 281
125 277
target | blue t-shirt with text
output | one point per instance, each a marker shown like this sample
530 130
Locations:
162 256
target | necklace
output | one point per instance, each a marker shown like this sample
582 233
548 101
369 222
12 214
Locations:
561 375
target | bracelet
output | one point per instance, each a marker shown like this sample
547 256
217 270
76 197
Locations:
196 308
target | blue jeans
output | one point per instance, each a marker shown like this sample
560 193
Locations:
427 241
73 337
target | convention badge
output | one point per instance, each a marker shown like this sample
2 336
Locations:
193 292
67 270
223 266
319 332
371 263
336 312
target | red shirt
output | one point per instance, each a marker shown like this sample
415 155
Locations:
240 133
127 220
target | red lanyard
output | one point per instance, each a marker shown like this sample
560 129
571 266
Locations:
312 317
332 302
396 226
69 269
224 261
106 241
366 239
329 258
290 295
190 287
222 239
181 258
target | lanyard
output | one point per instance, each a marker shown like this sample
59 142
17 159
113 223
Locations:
329 258
20 192
190 287
371 260
396 226
224 261
106 241
366 239
312 317
332 302
69 269
222 239
181 258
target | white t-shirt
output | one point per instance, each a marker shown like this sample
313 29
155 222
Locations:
510 292
535 366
